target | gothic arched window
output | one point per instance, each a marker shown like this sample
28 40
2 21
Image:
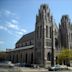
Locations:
49 56
46 31
56 42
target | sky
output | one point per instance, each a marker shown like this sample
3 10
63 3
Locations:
18 17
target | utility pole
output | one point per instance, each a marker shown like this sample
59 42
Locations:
52 49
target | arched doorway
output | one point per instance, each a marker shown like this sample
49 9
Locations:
26 58
21 58
31 58
56 60
49 56
17 58
56 42
13 58
9 57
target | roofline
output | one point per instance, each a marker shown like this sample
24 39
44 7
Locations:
25 35
21 48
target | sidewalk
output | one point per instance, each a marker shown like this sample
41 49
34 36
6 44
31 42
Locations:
70 68
23 69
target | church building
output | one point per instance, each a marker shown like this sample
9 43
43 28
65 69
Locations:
36 47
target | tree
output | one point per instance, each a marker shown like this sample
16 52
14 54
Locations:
64 56
2 56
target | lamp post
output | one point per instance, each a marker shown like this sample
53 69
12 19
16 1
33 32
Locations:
52 49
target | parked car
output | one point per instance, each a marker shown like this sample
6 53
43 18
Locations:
6 64
23 65
17 64
58 67
28 65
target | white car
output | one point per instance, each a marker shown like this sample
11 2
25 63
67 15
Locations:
58 67
6 64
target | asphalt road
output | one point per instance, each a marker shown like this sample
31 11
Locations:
24 69
15 69
21 69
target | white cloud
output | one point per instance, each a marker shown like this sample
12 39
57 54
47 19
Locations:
7 12
1 42
19 33
23 30
10 32
3 28
13 26
16 27
14 21
16 32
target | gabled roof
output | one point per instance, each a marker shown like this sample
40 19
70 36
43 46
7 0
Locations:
29 36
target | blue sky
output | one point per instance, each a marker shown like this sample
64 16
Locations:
17 17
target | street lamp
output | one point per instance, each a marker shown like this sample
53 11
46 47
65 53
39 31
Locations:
52 49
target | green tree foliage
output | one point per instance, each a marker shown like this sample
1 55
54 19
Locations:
65 54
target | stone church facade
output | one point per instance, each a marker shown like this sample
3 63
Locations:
35 47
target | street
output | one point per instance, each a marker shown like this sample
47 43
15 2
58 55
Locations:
25 69
21 69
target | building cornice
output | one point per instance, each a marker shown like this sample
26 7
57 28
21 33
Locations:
21 48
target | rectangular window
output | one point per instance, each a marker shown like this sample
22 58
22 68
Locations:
22 45
55 32
46 31
31 42
48 43
37 32
40 31
50 32
25 44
